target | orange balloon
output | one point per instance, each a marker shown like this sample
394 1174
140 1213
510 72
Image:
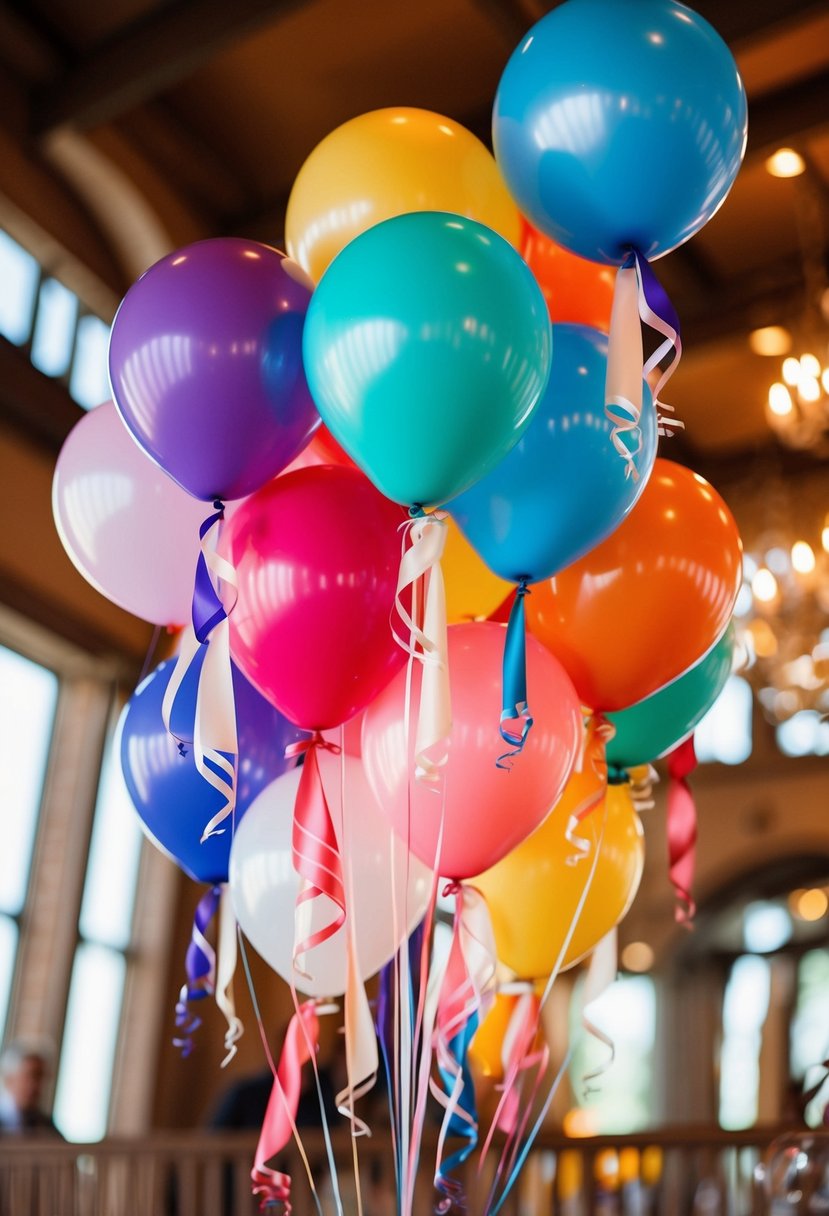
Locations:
576 291
487 1045
651 600
326 450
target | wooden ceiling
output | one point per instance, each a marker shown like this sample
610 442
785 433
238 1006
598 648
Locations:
204 110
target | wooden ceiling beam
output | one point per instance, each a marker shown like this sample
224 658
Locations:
34 405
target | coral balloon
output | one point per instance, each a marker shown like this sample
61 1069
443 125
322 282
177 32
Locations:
205 362
486 811
533 894
129 530
578 292
381 897
647 603
316 555
598 93
472 590
386 163
427 347
324 445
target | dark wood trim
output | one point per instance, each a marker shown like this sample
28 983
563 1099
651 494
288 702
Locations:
32 403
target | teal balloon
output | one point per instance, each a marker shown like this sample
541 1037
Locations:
563 488
427 347
620 124
652 727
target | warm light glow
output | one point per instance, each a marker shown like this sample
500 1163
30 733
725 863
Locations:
791 370
770 340
764 585
780 400
579 1122
824 379
824 536
637 956
808 389
811 904
803 558
785 162
765 642
810 366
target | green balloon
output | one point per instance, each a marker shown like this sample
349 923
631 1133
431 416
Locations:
652 727
427 346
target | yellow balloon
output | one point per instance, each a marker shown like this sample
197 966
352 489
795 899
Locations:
472 590
533 893
387 163
485 1048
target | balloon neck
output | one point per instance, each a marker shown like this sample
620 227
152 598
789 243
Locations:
629 262
522 589
452 887
416 512
218 505
617 775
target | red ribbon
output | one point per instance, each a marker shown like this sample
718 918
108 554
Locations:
682 829
315 851
279 1124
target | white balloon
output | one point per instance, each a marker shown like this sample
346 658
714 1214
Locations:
264 884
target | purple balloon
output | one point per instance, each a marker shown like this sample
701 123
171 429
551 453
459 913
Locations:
205 362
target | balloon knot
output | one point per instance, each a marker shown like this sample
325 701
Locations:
452 887
416 512
522 589
630 258
616 775
219 506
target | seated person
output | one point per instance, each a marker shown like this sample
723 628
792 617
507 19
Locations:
24 1069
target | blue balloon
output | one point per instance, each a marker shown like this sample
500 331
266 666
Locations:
172 799
562 489
620 126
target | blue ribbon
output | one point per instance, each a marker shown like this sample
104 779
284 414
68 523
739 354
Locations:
208 609
198 966
514 700
453 1198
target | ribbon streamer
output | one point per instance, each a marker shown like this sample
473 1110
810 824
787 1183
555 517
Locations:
301 1040
215 745
600 732
225 971
657 311
420 570
601 973
200 969
642 781
515 707
520 1052
682 830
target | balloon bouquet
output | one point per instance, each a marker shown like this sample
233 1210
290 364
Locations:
447 596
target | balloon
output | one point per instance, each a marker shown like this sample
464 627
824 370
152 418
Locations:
472 591
648 602
316 555
620 126
486 811
129 530
577 291
486 1048
205 362
386 163
264 884
533 894
173 800
648 730
563 487
427 346
327 449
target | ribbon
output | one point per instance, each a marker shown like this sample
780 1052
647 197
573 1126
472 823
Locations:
215 745
514 704
467 990
601 973
657 311
420 570
520 1052
225 971
642 780
314 848
682 830
301 1041
200 969
599 733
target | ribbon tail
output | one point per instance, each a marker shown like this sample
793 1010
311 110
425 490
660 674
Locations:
316 857
657 311
601 973
514 705
225 971
200 969
625 357
682 830
599 734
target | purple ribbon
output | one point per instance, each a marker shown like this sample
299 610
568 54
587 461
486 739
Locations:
208 609
200 969
657 297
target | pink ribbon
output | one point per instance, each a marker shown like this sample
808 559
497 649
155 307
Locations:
521 1052
682 830
279 1123
315 851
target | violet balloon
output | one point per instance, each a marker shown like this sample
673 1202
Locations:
205 362
172 799
129 530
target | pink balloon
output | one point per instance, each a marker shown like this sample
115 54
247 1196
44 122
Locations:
316 555
487 811
128 528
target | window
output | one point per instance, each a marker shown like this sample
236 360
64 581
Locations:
54 335
27 712
20 275
809 1033
724 734
804 734
745 1005
89 382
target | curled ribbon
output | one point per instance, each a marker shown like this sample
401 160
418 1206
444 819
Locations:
215 745
682 830
514 706
520 1052
420 570
601 973
200 969
642 780
225 971
599 734
302 1038
314 848
467 990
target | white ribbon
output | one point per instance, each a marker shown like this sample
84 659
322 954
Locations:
623 386
601 973
226 949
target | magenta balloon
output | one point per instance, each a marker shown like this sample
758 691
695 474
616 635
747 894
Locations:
130 531
205 362
316 555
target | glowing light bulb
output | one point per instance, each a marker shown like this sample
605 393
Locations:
824 536
770 340
803 558
810 366
811 904
637 956
764 585
825 379
780 400
785 162
791 370
808 389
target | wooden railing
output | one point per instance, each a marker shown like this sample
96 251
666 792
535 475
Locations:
685 1172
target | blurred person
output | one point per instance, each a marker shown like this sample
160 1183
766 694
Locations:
25 1067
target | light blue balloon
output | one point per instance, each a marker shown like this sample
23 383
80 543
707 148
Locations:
562 489
620 124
